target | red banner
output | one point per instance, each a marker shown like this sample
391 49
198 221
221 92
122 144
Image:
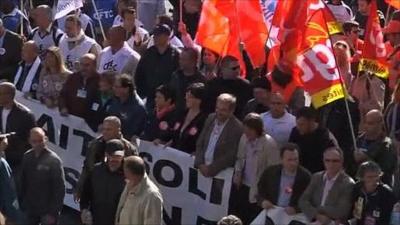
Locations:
373 57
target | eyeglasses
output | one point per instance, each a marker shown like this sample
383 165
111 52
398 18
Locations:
341 45
332 160
235 68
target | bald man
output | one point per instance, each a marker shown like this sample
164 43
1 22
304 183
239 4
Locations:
14 118
80 88
278 122
27 77
118 57
374 145
42 182
45 34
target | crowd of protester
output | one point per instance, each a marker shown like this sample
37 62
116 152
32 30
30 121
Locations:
147 79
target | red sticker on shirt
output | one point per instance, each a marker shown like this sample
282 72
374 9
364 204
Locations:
163 125
193 131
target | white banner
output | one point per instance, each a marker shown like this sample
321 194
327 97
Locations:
189 198
66 6
68 137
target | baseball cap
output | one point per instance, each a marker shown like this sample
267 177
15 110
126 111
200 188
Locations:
115 147
162 29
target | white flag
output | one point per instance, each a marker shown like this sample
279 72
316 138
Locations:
66 6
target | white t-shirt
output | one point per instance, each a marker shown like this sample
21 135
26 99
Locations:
116 62
279 128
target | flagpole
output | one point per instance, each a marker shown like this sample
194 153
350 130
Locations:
180 10
344 89
99 19
387 14
22 18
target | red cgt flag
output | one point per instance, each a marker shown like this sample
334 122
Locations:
373 57
394 3
308 48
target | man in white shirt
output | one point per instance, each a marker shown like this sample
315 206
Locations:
277 121
218 142
118 57
45 34
75 43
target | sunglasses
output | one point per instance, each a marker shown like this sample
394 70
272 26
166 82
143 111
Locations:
235 68
332 160
341 45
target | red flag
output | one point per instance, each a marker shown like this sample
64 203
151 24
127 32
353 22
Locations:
240 15
394 3
253 30
213 29
312 55
373 57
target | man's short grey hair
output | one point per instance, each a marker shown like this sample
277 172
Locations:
48 10
229 99
230 220
113 119
1 22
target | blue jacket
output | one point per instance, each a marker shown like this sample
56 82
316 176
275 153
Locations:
9 205
132 114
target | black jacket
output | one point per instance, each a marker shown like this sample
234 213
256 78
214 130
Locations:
42 187
101 192
21 121
269 185
98 108
377 205
312 147
12 44
179 83
153 70
186 140
240 88
162 128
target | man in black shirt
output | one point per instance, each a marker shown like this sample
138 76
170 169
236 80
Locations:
156 66
229 81
311 138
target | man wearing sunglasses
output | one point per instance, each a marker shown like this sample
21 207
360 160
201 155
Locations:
328 196
229 81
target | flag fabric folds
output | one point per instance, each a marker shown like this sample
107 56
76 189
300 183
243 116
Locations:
373 57
66 6
225 24
393 3
308 49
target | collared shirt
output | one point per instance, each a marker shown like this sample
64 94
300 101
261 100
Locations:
4 116
328 183
249 177
285 189
215 134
